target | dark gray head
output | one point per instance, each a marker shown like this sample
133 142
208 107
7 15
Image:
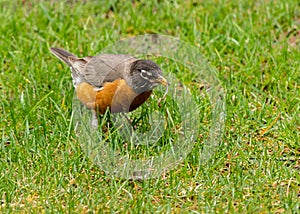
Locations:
145 75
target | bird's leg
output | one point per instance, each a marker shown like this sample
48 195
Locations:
94 119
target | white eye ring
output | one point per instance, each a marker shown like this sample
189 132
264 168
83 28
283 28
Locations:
146 72
142 74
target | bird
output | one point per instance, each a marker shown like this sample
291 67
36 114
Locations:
119 83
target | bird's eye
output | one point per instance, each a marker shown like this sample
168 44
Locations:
146 72
141 70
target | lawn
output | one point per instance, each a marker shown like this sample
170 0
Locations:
253 47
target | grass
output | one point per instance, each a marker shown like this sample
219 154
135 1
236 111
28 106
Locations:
255 49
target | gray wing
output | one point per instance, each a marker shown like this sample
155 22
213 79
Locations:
95 70
106 68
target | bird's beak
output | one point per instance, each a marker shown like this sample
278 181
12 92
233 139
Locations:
160 79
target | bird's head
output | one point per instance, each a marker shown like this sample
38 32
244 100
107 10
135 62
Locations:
145 75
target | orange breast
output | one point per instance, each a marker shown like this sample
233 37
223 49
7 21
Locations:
117 96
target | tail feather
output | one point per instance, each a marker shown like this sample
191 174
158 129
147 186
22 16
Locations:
62 55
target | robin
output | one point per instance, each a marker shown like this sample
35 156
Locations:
114 82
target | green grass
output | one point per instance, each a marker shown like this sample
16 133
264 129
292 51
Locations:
253 45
